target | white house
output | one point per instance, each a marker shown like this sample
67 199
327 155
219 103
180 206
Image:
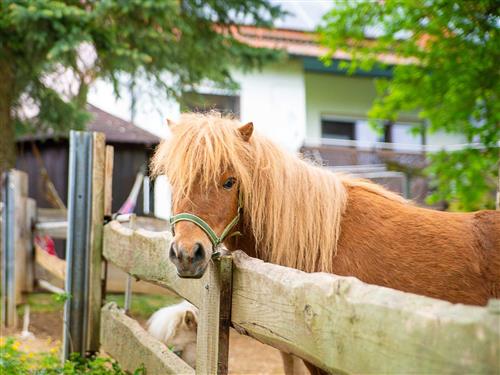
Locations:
295 101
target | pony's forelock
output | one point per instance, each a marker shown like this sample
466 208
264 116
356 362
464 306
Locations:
294 209
200 148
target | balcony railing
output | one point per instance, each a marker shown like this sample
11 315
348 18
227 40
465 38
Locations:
399 147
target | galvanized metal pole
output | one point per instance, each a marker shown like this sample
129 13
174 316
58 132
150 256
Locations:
8 305
84 243
77 243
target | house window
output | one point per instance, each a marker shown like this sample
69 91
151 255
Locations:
338 129
202 103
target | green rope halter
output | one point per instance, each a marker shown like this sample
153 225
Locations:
216 240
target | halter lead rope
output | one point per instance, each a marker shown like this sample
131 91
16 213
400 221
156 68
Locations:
216 240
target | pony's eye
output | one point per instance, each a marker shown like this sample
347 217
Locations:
229 183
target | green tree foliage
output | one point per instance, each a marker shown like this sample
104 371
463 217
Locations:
108 39
449 72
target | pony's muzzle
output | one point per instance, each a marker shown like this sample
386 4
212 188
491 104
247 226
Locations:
189 261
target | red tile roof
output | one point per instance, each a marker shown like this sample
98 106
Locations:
298 43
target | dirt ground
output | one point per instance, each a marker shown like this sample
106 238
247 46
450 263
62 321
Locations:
246 355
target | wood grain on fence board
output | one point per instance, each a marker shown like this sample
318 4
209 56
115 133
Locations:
108 180
55 229
51 214
22 233
127 342
52 222
212 345
144 255
338 323
14 236
96 237
46 264
341 323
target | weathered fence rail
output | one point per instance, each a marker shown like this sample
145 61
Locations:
49 268
337 323
52 222
125 340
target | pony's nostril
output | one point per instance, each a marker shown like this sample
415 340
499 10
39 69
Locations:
198 252
172 253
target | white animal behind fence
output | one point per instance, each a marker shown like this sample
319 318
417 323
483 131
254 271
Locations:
176 327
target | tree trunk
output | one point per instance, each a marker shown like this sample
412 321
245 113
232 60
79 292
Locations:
7 133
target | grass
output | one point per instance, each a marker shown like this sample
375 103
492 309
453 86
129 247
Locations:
44 302
142 307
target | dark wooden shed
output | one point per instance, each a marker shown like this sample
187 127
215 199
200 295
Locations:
133 147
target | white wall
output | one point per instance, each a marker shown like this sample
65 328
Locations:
274 100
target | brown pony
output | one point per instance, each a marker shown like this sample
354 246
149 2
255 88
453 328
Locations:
303 216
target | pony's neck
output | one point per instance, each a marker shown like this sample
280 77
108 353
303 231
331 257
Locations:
245 242
293 211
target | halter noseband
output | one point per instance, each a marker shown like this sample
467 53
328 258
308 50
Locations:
216 240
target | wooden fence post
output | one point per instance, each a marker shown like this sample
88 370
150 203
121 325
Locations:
108 207
15 235
212 346
108 181
97 221
84 243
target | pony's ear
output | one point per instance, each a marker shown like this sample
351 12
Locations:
246 131
190 319
170 122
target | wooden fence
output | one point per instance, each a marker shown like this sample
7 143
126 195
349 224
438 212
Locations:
337 323
340 324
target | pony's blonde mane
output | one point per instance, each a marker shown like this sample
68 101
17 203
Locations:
293 208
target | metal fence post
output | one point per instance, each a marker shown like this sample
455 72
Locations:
8 262
84 243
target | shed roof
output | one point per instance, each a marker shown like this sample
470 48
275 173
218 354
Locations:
116 130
